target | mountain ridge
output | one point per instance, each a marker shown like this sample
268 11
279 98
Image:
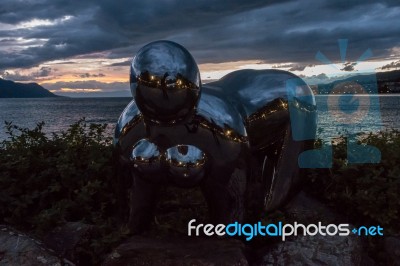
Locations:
381 82
11 89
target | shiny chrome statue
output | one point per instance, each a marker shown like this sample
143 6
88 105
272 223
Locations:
219 136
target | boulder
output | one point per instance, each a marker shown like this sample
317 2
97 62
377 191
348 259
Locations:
20 249
392 249
305 209
314 250
69 241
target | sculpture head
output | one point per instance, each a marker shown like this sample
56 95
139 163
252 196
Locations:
165 82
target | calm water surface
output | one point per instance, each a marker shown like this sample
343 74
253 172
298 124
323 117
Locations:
59 113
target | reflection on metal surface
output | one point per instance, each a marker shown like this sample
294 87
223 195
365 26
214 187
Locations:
191 136
267 110
186 162
261 98
220 114
225 132
129 118
146 157
165 81
186 156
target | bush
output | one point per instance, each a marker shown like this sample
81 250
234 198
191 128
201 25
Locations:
365 193
49 180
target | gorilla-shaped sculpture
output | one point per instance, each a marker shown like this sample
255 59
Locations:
218 136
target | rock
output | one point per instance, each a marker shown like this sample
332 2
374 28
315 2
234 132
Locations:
140 250
392 249
69 241
20 249
314 250
308 210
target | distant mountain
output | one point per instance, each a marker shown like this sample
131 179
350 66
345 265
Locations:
11 89
381 82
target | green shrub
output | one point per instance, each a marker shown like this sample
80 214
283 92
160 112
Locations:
48 180
365 193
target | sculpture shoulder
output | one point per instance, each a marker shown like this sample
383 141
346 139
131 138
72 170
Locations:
216 108
253 89
131 114
251 79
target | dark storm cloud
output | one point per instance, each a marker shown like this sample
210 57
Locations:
392 65
297 68
88 75
213 31
349 66
17 76
14 11
291 67
124 63
43 72
317 79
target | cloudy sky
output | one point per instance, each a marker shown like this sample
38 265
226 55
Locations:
84 47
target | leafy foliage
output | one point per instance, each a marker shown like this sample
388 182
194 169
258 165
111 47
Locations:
365 193
49 180
46 181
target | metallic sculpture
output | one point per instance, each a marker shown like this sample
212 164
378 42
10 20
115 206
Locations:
178 131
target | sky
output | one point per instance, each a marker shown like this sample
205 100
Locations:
84 48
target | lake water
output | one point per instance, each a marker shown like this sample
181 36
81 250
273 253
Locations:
59 113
